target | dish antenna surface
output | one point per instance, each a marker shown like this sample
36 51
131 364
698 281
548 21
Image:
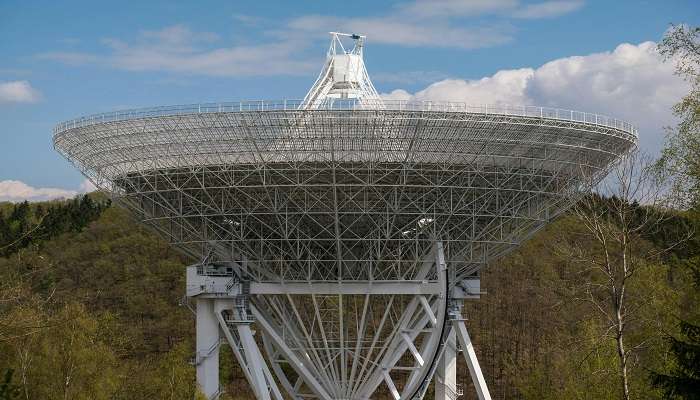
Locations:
347 229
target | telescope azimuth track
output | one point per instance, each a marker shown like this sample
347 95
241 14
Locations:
347 228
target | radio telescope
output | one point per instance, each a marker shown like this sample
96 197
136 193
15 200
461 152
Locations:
345 229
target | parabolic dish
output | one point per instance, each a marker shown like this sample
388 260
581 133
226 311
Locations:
315 194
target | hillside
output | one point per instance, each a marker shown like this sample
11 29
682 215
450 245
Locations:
91 309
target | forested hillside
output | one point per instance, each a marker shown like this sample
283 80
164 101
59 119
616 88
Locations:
94 313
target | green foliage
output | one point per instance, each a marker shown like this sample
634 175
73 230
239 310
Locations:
106 297
683 381
27 224
680 379
8 390
92 313
681 156
73 361
175 376
585 371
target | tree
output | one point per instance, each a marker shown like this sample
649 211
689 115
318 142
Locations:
176 377
681 155
684 379
73 361
613 253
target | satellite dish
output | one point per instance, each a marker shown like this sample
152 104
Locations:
347 229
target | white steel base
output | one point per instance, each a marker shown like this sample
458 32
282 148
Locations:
446 387
216 316
207 342
460 329
403 358
446 373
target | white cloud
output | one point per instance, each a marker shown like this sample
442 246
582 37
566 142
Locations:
469 8
507 86
436 23
421 23
548 9
398 94
396 30
250 20
631 83
409 77
15 191
448 8
179 49
179 35
18 92
86 186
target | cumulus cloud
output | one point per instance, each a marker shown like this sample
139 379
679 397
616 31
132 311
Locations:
507 86
631 82
397 94
15 191
18 92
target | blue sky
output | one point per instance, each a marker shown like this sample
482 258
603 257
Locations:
61 60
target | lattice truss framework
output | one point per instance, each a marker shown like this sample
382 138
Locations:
346 195
343 76
336 195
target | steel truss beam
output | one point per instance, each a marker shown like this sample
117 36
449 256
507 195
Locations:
421 288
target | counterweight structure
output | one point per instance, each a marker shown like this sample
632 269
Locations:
346 229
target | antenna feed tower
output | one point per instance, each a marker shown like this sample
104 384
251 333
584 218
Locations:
343 76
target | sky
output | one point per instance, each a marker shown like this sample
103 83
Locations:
61 60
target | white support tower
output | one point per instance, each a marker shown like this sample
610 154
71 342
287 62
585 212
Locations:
343 76
426 331
223 311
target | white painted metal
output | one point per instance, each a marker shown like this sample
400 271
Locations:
465 342
446 373
343 76
412 347
235 346
414 322
251 106
338 219
428 310
363 371
207 355
299 364
349 288
240 337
